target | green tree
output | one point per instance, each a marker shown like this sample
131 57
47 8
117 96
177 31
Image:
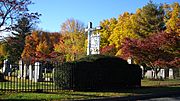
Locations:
149 19
17 41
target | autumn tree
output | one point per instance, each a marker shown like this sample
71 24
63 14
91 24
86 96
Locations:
72 44
45 48
29 52
3 52
11 10
122 30
108 26
172 17
39 46
156 51
110 50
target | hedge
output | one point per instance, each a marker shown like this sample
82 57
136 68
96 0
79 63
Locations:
98 72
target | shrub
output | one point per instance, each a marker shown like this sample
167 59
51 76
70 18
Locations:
98 72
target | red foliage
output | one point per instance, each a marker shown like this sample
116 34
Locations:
108 50
154 50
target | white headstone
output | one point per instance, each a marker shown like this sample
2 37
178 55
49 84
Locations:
129 60
25 71
161 74
36 71
30 72
21 68
171 73
6 67
149 74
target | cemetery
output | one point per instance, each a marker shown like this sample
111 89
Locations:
130 56
103 72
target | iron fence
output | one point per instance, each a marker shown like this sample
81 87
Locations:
27 80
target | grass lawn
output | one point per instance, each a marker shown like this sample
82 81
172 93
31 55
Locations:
148 87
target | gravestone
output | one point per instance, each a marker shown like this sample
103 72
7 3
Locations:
171 75
37 72
149 74
30 72
53 74
161 74
6 67
21 65
25 71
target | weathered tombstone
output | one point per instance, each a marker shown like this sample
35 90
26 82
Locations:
37 72
21 65
149 74
171 75
161 74
6 67
53 74
25 71
30 72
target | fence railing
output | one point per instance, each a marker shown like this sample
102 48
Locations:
28 78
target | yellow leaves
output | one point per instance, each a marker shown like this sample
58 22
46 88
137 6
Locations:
43 47
173 24
108 27
122 30
72 41
3 51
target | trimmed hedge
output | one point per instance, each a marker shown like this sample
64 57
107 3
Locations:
98 72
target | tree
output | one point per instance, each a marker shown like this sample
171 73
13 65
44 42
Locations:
122 30
109 50
45 48
3 52
149 19
29 52
17 41
11 10
156 51
39 46
108 27
172 17
73 40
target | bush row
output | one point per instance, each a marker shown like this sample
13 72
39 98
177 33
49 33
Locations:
98 72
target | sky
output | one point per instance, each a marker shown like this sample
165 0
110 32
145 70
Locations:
56 12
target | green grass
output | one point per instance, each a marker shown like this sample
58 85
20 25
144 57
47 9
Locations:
62 95
148 87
